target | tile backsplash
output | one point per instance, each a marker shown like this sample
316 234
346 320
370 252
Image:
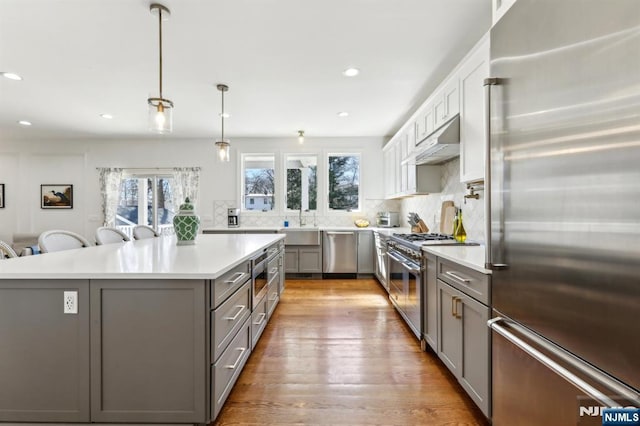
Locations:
428 206
370 208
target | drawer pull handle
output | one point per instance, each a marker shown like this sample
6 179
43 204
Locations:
458 313
235 364
262 316
453 307
274 297
458 277
241 309
273 270
238 276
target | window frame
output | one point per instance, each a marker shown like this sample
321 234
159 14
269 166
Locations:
327 210
318 158
276 178
153 174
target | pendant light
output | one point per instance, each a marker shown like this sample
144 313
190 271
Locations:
300 137
223 144
160 109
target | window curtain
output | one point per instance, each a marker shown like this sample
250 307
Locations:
110 190
187 180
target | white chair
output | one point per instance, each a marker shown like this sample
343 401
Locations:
58 240
6 251
106 235
140 232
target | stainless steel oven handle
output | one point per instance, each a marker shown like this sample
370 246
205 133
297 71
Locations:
585 387
395 257
411 268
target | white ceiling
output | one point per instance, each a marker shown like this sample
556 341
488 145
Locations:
282 59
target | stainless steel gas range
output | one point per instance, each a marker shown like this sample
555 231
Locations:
406 271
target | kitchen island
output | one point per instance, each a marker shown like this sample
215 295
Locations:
138 332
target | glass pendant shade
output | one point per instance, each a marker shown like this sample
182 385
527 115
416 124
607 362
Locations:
160 115
301 137
223 147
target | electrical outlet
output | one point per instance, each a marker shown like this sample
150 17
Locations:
70 302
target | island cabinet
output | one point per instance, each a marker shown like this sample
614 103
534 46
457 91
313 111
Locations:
44 353
124 343
147 339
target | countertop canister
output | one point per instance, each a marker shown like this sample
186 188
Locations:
186 224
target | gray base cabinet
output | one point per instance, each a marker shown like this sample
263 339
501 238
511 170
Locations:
430 326
44 353
303 259
464 342
147 342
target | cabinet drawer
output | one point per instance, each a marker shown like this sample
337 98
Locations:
473 283
226 370
273 296
228 318
224 286
258 320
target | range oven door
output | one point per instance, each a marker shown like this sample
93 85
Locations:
405 278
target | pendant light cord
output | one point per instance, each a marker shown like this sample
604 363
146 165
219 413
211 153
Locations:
160 45
222 115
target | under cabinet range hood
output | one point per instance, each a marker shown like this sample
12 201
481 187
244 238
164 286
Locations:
441 145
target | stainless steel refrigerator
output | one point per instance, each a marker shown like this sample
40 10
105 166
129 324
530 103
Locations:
563 123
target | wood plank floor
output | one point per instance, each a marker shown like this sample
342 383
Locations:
336 353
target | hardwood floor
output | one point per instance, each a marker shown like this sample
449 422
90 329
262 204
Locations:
336 352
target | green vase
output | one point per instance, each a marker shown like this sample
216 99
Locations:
186 224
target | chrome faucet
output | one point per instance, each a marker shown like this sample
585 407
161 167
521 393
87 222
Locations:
301 218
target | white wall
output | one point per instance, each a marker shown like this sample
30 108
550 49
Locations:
24 166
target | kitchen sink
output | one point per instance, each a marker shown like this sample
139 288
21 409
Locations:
302 236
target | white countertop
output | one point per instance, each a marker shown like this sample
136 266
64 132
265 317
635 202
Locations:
210 257
469 256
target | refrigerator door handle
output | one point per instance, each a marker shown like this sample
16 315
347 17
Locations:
605 381
488 82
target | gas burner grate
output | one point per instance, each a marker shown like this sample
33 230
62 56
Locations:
423 237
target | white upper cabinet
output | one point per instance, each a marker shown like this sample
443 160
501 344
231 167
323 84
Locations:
425 121
473 71
498 8
447 101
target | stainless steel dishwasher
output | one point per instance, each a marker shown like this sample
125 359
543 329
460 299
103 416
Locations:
340 252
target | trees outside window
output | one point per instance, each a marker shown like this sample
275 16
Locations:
344 182
302 182
146 200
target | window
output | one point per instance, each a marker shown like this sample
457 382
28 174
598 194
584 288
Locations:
344 182
145 200
302 182
258 175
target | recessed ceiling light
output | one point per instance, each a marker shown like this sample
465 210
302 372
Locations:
351 72
343 114
11 75
224 115
24 123
106 116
